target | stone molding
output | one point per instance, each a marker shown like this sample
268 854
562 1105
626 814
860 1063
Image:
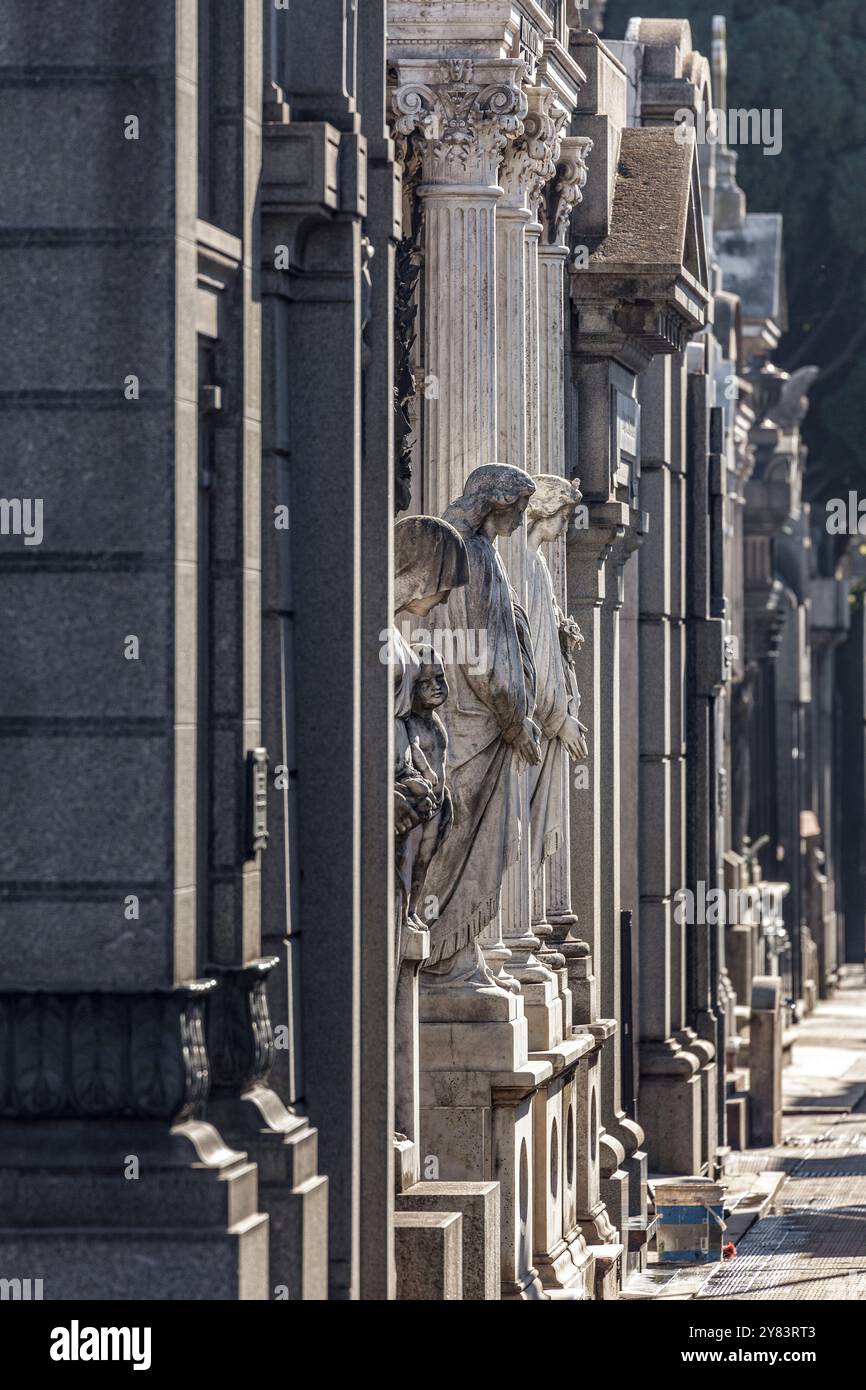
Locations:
155 1054
103 1056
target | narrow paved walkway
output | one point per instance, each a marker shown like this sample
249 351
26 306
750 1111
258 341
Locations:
815 1247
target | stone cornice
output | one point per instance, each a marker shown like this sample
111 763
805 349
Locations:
312 175
630 333
477 28
96 1055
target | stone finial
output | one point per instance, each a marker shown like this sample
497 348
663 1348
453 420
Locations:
464 111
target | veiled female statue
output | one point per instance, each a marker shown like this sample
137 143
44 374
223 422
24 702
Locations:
489 724
430 561
551 509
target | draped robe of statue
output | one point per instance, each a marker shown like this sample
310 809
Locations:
430 558
553 703
486 710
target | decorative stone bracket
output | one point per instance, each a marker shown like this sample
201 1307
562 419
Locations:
239 1027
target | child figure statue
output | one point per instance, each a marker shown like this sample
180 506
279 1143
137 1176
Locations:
428 744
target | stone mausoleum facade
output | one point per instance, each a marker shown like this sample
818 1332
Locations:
431 706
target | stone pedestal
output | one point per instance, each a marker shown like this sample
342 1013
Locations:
130 1209
407 1078
565 1262
671 1107
765 1063
478 1205
477 1087
591 1213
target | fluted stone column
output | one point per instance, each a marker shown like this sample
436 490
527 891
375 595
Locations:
512 218
552 910
463 112
529 164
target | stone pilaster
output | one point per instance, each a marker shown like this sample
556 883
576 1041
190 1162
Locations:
670 1095
553 894
627 1156
316 290
380 1050
528 166
604 1218
112 1183
707 672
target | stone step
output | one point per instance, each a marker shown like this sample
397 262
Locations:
428 1251
478 1204
117 1263
196 1199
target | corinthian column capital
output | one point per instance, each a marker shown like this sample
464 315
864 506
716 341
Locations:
530 160
567 191
542 132
464 113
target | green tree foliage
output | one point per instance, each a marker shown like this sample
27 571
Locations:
807 59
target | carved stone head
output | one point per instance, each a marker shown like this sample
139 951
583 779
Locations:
494 499
431 684
551 507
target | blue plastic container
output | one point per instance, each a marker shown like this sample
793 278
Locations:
690 1220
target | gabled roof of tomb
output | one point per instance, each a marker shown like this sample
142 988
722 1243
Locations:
656 222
